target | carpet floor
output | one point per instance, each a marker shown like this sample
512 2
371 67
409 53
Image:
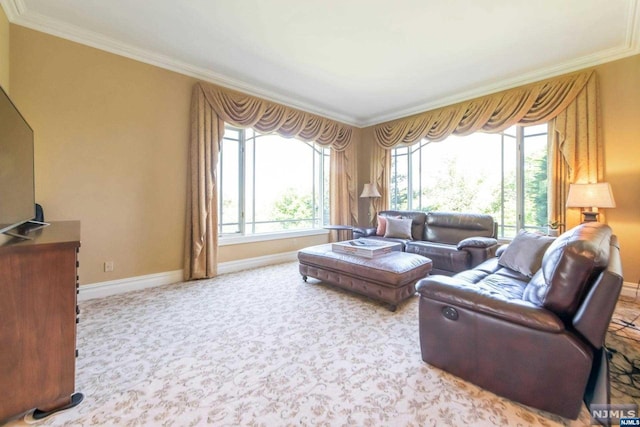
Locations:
263 348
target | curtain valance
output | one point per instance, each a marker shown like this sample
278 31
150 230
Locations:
527 105
244 110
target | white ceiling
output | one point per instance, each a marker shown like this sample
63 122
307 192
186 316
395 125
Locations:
358 61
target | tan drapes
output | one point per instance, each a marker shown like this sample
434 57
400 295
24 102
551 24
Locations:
574 135
201 237
569 102
343 187
212 106
381 170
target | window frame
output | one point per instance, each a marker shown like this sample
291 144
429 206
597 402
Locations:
246 231
406 153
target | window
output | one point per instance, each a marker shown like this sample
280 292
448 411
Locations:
268 183
502 174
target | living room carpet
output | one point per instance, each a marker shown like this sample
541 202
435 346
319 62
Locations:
263 348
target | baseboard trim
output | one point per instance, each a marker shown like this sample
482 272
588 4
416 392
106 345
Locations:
630 290
120 286
261 261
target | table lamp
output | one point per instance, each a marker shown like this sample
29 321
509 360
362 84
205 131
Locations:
590 196
370 191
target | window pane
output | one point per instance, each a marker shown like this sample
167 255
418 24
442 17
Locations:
268 183
284 177
232 133
229 184
416 178
326 152
484 173
399 177
535 182
508 219
511 131
535 130
460 174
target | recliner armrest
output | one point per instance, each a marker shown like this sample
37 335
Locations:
448 290
477 242
364 232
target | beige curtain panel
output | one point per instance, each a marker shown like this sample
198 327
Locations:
211 107
343 187
569 103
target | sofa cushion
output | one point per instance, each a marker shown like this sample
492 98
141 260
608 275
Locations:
451 228
399 228
382 226
567 265
417 226
524 253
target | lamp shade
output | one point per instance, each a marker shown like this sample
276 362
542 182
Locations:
590 196
370 190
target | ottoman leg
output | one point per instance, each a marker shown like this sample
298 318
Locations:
304 277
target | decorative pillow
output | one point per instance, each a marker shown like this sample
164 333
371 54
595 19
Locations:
382 224
400 228
524 253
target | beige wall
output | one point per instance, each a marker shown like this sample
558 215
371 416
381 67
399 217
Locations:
111 139
4 51
619 84
110 150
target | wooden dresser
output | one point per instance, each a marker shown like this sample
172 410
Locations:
38 316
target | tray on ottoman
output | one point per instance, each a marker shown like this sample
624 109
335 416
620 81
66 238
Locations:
368 248
389 278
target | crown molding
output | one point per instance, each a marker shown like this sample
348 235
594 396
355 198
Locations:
18 14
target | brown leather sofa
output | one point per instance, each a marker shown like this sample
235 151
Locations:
453 241
530 323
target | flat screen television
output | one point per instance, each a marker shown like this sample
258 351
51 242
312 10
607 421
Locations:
17 192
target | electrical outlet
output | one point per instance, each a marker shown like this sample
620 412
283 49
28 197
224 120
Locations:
108 266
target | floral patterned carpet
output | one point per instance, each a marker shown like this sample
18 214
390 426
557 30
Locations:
263 348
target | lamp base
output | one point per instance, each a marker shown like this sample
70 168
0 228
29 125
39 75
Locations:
590 216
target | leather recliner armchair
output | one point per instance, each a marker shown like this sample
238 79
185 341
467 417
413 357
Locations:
537 336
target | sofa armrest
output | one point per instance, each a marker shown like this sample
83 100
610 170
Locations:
477 242
480 249
448 290
363 232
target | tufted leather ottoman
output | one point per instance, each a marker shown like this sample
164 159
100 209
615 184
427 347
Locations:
389 278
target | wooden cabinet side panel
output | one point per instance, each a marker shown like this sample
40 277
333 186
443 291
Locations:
37 327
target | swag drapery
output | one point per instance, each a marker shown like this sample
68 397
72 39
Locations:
211 107
568 103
